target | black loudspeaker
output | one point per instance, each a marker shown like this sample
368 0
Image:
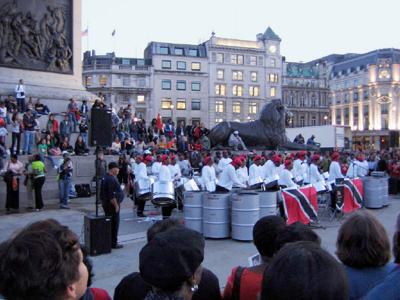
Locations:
97 234
394 139
101 127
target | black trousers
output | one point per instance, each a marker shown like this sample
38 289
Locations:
16 139
12 200
109 211
167 210
221 189
37 186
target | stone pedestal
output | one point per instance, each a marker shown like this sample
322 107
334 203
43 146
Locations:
54 88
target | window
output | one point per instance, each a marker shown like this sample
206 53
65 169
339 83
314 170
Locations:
346 98
236 107
273 62
166 103
196 86
88 81
254 91
181 104
166 84
355 96
164 50
237 75
103 80
253 60
193 52
338 116
220 58
302 101
220 89
181 65
272 92
181 85
302 121
196 66
126 80
237 90
140 98
253 108
355 115
313 100
178 51
218 120
196 104
220 74
219 106
253 76
126 61
237 59
273 77
365 94
384 108
166 64
313 121
346 116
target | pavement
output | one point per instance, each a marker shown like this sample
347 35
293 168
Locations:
220 255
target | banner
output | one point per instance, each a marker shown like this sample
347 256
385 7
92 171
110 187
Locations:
301 205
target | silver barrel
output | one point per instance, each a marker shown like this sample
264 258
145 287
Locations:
245 213
193 210
374 196
216 215
268 202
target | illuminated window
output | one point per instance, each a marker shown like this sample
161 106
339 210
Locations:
253 60
196 66
220 89
237 59
220 58
181 104
272 91
166 64
103 80
218 120
196 86
253 107
196 104
237 75
220 74
253 76
88 81
140 98
166 103
236 107
166 84
254 91
237 90
181 65
219 106
273 78
181 85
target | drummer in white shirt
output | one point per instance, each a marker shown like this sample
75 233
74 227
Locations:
315 175
141 174
208 177
255 172
155 168
286 177
176 176
228 177
165 175
358 167
271 168
300 167
335 171
224 161
242 172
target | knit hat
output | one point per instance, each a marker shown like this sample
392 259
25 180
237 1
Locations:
171 258
276 158
207 160
257 158
315 157
335 155
149 158
237 162
288 163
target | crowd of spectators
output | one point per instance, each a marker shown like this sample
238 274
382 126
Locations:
293 264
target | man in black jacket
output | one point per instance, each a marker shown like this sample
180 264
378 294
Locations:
111 196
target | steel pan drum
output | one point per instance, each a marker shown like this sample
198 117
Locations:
143 187
191 186
163 193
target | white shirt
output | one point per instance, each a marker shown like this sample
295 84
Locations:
357 169
140 171
315 175
155 168
164 173
286 178
270 171
175 171
223 162
242 175
255 174
20 88
334 171
3 112
208 175
229 178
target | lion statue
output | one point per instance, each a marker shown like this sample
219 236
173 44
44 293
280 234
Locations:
268 131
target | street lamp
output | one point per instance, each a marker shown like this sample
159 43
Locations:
172 112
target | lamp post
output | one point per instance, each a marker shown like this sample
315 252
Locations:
172 112
325 119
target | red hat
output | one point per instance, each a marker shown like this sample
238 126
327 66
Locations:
139 158
276 158
360 157
197 147
207 160
288 162
2 122
164 157
237 162
172 156
302 154
149 158
315 157
257 158
335 155
292 155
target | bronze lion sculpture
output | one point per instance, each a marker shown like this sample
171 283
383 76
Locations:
267 132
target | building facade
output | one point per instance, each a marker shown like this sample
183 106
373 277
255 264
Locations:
122 81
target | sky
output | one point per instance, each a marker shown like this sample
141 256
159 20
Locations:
309 29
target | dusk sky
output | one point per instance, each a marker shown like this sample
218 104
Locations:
309 29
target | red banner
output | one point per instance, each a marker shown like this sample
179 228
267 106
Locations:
301 205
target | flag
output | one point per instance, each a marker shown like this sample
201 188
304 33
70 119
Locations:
113 33
85 32
353 192
159 123
300 205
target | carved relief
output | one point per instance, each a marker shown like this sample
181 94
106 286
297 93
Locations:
36 35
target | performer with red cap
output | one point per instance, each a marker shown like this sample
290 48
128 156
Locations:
208 177
255 171
300 168
140 173
358 167
334 168
155 168
228 177
271 168
315 175
176 176
242 172
286 176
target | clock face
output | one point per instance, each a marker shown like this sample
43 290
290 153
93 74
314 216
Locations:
272 49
